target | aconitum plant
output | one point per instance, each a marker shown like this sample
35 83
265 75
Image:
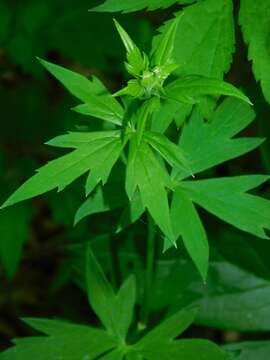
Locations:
161 179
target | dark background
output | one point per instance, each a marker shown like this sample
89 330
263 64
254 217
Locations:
35 108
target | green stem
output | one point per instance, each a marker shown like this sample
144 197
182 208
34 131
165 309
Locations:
150 260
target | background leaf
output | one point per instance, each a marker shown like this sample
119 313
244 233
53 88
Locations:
256 35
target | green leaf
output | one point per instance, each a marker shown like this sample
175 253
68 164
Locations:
249 350
195 86
98 102
162 52
102 200
226 198
186 222
237 299
256 26
169 329
207 144
159 343
74 140
133 89
191 349
13 237
168 150
232 298
61 172
132 213
114 310
66 341
127 41
116 354
135 5
205 49
105 108
146 173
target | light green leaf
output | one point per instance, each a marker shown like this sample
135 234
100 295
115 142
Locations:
146 173
255 24
137 61
226 198
61 172
195 85
135 5
105 108
74 140
13 237
114 310
133 88
168 150
127 41
186 222
98 102
207 144
70 342
162 52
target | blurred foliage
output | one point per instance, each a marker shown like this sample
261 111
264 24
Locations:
41 254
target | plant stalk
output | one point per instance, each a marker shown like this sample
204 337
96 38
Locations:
149 271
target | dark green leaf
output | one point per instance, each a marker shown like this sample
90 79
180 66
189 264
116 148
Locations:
135 5
114 310
13 237
255 25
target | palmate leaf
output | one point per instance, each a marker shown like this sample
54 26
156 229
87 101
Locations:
160 344
98 102
168 150
207 144
145 173
115 310
102 200
135 5
255 24
61 172
205 49
186 222
227 199
65 341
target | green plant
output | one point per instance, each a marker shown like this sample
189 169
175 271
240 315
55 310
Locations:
160 168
